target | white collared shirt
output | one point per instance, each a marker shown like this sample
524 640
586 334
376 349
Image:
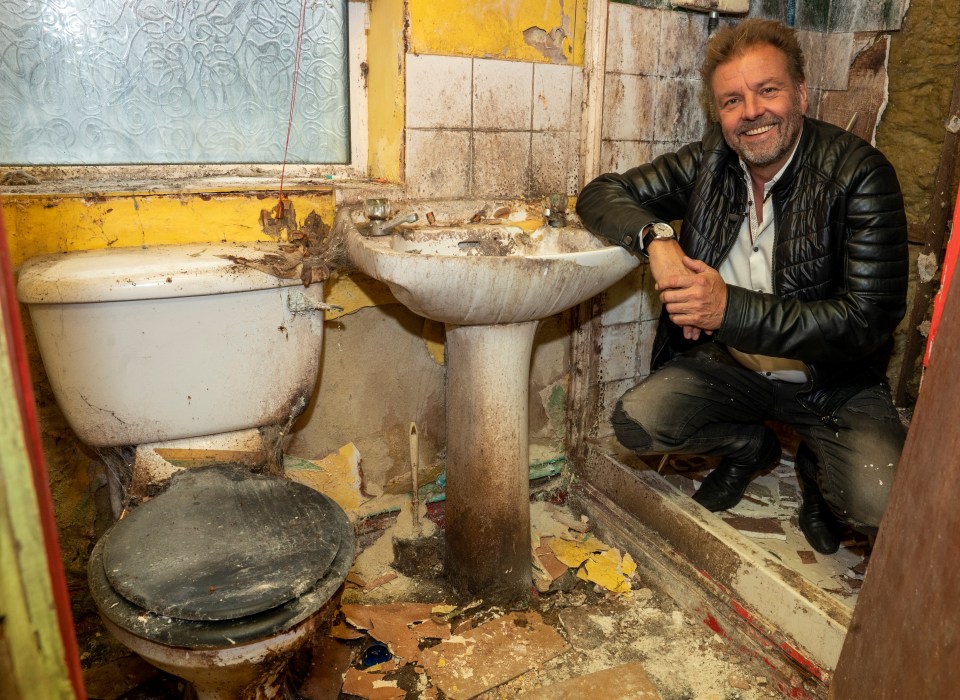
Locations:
750 265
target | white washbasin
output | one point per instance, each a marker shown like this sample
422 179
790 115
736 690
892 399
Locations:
482 263
489 272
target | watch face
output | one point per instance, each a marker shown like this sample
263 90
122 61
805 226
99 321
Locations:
662 230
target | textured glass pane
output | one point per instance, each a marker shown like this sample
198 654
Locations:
171 81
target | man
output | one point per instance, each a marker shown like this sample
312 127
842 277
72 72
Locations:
781 292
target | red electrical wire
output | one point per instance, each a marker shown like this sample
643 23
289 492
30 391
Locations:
293 100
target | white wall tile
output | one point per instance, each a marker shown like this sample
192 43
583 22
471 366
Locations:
438 163
633 34
623 300
610 394
813 55
576 98
549 162
650 300
501 163
838 53
628 107
648 332
551 97
683 39
678 114
573 162
618 351
658 148
438 91
502 94
620 156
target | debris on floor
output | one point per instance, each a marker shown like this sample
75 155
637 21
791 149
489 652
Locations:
625 681
561 543
589 621
371 685
491 654
769 516
401 626
596 625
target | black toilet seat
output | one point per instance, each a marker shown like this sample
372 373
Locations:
281 550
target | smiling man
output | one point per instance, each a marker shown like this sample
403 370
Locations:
780 293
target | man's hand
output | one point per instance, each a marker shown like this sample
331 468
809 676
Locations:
694 299
666 262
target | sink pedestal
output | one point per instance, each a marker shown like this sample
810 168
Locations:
488 484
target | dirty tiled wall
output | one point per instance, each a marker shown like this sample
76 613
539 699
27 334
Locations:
493 99
491 128
651 87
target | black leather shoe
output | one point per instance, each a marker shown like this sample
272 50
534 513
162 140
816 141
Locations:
817 521
724 486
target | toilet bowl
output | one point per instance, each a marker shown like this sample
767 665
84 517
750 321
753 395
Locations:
223 577
218 573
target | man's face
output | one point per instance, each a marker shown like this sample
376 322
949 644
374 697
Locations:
760 108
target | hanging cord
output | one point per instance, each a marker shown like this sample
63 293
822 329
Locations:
293 100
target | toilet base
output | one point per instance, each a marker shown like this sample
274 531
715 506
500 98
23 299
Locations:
253 671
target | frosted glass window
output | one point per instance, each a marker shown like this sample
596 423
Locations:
171 81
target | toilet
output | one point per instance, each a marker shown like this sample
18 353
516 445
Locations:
220 570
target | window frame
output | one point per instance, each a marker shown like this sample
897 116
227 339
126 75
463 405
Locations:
247 175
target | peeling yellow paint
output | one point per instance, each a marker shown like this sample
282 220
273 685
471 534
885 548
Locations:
604 569
337 475
573 554
433 337
354 293
543 31
44 224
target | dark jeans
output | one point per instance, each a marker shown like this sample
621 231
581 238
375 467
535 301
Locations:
705 402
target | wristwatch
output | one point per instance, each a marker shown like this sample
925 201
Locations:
658 231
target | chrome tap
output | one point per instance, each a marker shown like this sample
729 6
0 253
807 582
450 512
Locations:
384 228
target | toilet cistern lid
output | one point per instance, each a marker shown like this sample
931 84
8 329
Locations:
221 543
151 272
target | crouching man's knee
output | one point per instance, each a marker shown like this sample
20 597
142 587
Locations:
862 502
629 432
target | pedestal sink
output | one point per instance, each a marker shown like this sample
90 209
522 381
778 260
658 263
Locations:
489 271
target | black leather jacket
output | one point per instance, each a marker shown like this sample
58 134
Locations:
840 255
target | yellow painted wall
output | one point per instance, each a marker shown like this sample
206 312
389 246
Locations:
386 48
46 224
43 224
545 31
